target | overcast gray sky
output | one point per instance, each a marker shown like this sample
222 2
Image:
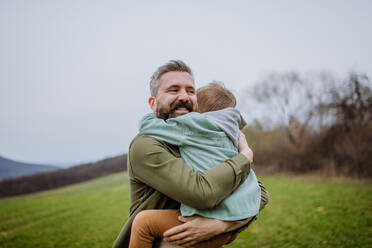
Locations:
74 74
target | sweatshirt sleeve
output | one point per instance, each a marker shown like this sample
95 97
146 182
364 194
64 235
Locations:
155 165
167 131
176 131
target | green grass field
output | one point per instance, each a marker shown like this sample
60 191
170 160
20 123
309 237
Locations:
301 213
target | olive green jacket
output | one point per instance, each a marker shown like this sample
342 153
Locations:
160 179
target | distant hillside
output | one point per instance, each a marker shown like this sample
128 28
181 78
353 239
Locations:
11 169
62 177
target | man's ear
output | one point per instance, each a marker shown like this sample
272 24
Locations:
152 103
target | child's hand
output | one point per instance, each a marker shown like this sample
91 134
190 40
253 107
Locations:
244 148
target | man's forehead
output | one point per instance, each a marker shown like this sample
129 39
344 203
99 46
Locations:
176 78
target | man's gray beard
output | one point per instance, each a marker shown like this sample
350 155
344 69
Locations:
162 114
166 114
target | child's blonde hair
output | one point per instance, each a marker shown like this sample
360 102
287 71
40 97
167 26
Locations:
214 96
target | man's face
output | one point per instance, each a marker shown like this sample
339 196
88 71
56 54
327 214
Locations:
176 95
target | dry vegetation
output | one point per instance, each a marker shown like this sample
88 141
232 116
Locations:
312 124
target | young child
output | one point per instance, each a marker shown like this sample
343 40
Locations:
205 139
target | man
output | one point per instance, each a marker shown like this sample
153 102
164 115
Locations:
160 179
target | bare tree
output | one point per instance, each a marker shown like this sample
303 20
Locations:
289 100
348 141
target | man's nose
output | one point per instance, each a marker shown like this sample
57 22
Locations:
183 95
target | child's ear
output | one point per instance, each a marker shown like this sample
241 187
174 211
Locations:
197 107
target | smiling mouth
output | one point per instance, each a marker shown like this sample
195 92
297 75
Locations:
181 110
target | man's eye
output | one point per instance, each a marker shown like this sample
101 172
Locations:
172 90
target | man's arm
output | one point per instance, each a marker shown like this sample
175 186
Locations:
154 165
197 228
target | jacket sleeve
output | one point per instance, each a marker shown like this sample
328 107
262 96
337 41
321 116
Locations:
154 164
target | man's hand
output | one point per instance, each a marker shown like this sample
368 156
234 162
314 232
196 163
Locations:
196 229
244 148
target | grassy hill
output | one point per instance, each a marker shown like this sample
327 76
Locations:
62 177
301 213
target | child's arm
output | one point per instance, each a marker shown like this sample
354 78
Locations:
177 131
168 131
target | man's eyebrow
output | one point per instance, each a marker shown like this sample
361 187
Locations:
177 86
173 85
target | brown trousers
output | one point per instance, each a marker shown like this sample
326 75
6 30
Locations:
149 224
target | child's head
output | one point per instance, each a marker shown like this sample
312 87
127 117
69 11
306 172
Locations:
214 96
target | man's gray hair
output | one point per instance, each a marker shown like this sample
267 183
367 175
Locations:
172 65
